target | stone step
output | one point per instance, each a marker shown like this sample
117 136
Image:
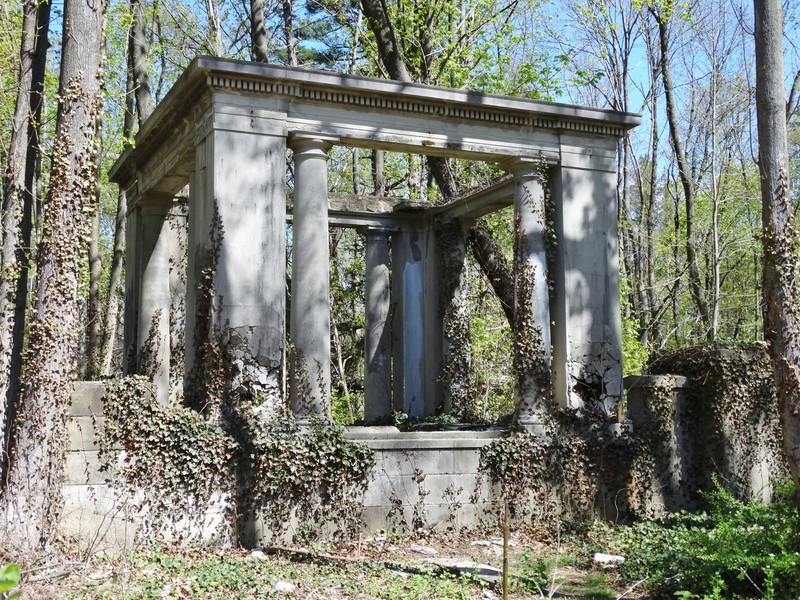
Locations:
87 398
83 468
94 515
83 432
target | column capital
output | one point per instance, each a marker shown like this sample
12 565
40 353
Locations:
526 168
155 204
311 144
377 234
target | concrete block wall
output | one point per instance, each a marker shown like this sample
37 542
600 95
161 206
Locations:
425 479
93 511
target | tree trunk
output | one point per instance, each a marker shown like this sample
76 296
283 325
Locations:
485 249
94 334
18 203
684 172
288 32
137 88
494 266
138 51
781 319
258 32
32 499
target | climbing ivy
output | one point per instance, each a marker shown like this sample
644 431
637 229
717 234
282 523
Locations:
731 414
230 446
168 461
175 464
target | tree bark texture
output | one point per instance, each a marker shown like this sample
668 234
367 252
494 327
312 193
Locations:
258 32
138 51
17 216
32 499
684 172
781 318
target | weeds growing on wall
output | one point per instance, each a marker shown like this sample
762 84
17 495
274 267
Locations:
731 413
311 473
176 463
563 476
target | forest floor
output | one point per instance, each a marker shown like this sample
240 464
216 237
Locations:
426 565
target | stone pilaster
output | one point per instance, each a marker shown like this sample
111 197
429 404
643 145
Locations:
153 337
377 346
310 377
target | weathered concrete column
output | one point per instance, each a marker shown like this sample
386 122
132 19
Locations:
310 378
236 267
416 321
153 338
133 245
377 344
587 338
531 295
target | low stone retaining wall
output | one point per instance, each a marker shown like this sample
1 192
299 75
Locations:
425 479
421 479
93 510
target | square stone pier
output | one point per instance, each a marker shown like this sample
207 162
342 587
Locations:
223 132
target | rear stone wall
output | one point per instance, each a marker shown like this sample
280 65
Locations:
425 479
706 412
719 418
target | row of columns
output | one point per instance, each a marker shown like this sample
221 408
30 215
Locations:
310 380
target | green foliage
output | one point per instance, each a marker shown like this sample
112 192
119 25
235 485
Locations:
176 458
181 463
221 575
737 549
544 478
9 578
634 354
311 472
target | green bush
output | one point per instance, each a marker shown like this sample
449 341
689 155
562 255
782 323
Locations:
9 578
737 549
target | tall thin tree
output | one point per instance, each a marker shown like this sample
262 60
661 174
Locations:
781 317
32 498
17 221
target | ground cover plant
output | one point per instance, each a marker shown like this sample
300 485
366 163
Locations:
735 549
542 564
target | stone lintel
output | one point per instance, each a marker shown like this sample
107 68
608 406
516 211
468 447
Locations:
391 115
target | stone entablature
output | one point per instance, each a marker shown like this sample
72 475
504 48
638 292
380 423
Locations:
224 130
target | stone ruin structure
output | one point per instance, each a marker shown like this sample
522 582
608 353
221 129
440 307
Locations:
223 131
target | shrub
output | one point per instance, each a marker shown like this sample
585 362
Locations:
737 549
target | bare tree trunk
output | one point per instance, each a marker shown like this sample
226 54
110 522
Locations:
137 88
378 174
32 498
138 51
388 48
288 32
494 266
258 32
684 172
93 310
17 220
94 333
781 319
215 25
